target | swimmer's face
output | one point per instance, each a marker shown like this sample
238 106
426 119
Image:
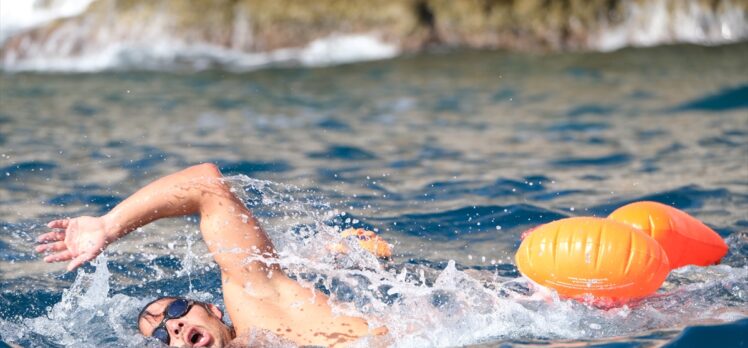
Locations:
200 326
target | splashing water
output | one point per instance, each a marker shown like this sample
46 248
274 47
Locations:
85 317
425 306
421 304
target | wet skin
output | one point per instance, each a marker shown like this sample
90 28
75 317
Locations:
257 293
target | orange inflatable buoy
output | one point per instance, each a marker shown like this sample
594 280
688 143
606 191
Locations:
584 256
368 240
686 240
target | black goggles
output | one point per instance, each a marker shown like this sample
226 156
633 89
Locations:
174 310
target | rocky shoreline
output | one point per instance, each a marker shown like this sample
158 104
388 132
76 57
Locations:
239 30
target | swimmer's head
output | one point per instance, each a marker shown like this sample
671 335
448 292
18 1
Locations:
180 322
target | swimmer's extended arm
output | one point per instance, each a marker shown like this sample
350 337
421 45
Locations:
229 230
238 244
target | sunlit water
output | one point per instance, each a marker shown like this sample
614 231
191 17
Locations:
449 156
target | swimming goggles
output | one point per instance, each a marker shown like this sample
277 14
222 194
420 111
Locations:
174 310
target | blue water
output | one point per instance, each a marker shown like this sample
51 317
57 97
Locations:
449 156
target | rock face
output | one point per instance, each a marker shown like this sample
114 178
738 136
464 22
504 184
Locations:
249 33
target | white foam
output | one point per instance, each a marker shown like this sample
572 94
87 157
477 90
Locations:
158 50
656 22
345 49
18 15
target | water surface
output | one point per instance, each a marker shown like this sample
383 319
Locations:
450 156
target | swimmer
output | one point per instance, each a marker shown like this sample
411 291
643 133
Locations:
257 293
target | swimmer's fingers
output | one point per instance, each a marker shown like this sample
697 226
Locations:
51 237
79 260
68 255
58 257
62 223
54 236
337 248
56 246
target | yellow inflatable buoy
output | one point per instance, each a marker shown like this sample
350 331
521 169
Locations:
686 240
586 256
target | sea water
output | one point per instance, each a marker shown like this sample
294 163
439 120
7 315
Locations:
449 156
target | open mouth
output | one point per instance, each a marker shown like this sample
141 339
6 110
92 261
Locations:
198 338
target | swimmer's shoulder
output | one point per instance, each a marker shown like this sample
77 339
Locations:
256 338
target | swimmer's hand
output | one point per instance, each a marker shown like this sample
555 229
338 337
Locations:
368 240
77 240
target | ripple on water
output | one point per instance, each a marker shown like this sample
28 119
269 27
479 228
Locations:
334 124
102 202
252 167
26 299
451 224
502 187
576 126
228 103
84 109
727 99
684 198
430 151
733 334
9 253
343 153
150 156
590 109
584 73
25 169
504 94
614 159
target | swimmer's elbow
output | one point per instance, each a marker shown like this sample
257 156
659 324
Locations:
208 170
206 177
209 181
